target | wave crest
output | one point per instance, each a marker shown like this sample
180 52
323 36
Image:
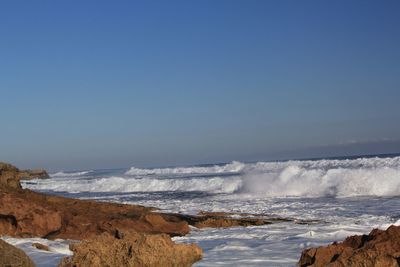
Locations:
70 174
233 167
125 185
339 178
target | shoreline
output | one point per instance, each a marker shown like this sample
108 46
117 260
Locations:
51 217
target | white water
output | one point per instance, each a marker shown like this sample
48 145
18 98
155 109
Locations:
339 178
350 196
58 249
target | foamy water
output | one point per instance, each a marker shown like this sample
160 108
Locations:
347 196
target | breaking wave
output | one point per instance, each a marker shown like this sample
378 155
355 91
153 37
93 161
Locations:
120 184
70 174
339 178
308 178
233 167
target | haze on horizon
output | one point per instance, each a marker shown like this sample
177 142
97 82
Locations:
100 84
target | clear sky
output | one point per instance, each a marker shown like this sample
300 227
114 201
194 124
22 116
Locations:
102 84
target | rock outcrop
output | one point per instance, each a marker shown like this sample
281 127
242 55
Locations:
24 213
33 174
228 219
12 256
9 176
379 248
132 249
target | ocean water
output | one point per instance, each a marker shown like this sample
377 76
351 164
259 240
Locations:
344 196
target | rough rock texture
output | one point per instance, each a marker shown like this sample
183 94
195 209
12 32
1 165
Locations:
9 176
24 213
379 248
13 257
132 249
227 219
33 174
41 246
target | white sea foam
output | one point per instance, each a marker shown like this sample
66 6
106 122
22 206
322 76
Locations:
292 189
233 167
70 174
311 178
341 178
58 249
120 184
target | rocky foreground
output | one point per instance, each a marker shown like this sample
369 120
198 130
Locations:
130 235
12 256
134 235
379 248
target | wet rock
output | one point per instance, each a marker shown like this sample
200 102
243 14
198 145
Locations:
379 248
132 249
226 219
40 246
13 257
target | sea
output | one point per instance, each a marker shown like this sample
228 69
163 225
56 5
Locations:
341 196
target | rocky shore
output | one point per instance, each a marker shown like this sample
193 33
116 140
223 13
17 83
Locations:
112 234
379 248
131 235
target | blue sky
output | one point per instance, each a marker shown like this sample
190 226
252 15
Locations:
101 84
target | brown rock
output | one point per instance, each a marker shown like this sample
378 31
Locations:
132 249
33 174
13 257
225 220
40 246
24 213
379 248
9 176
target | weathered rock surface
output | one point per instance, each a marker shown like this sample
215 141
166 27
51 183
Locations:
132 249
41 246
9 176
228 219
33 174
379 248
24 213
13 257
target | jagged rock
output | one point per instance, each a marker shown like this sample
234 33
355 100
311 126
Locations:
24 213
228 219
13 257
379 248
9 176
33 174
132 249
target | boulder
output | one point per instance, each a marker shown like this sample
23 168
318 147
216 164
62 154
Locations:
131 249
40 246
379 248
12 256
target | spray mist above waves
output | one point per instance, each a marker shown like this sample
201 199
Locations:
308 178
